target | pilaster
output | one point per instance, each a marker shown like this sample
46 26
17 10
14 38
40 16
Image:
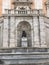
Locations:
16 37
5 32
32 34
16 32
1 34
36 32
32 37
12 32
42 32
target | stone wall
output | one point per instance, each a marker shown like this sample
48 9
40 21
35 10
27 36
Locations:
37 30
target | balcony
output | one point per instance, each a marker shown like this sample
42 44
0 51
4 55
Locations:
22 12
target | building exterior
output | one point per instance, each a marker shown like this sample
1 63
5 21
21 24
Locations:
24 34
7 4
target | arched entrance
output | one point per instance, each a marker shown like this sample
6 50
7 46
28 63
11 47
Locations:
23 29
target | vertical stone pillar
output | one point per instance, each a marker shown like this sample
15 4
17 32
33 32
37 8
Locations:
16 37
36 32
16 31
12 32
42 32
1 34
5 32
32 35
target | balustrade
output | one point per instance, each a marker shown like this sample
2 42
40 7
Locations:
22 1
23 12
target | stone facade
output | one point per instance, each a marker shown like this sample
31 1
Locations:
36 35
30 24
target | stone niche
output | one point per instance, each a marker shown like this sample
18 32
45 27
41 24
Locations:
26 40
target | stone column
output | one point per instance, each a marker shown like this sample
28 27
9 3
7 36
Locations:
5 32
36 32
12 32
42 32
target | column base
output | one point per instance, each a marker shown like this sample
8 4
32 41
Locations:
43 46
12 45
37 45
5 45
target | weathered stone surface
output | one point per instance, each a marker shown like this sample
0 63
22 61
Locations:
5 33
36 32
34 24
24 58
42 32
12 32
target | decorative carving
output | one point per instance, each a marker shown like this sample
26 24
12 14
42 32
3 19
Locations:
22 8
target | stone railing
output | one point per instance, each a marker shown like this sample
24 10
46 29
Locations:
14 1
23 12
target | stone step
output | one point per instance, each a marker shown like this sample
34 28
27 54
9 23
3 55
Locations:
23 49
24 58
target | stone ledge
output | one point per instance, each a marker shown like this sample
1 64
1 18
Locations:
23 49
25 58
21 15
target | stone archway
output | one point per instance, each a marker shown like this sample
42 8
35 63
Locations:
23 26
